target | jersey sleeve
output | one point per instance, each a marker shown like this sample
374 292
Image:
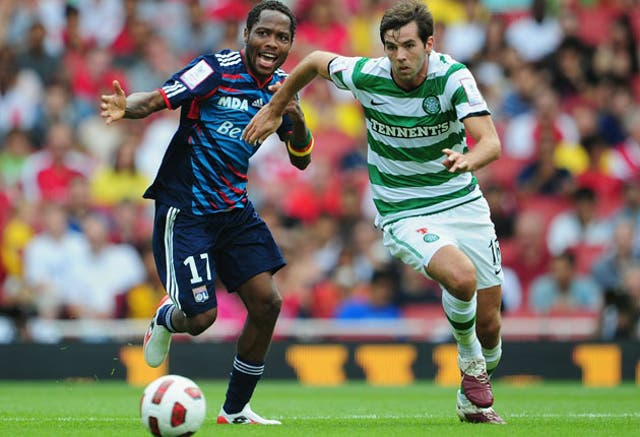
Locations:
465 95
341 71
197 79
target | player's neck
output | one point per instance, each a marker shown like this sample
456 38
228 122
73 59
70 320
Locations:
261 80
416 81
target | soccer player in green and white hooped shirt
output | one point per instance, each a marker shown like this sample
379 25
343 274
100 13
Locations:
419 105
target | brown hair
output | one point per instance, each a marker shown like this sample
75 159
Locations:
404 13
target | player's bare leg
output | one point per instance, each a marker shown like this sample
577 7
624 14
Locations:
457 275
263 303
488 324
167 321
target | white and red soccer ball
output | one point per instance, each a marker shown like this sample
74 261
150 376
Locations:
172 405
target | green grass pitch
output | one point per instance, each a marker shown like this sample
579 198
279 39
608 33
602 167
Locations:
356 409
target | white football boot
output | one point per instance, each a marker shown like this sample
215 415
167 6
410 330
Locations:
467 412
244 417
157 339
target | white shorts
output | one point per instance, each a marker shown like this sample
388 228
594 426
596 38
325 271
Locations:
468 227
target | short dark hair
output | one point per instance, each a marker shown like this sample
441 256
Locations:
584 194
404 13
273 5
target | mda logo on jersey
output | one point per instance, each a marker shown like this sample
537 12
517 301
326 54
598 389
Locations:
200 294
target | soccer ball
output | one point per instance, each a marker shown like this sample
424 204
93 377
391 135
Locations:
172 405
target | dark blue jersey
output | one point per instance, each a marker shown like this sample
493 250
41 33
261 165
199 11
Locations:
204 169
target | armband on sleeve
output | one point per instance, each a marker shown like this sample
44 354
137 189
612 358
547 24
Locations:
301 150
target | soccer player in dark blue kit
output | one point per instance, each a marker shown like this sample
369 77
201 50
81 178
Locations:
205 225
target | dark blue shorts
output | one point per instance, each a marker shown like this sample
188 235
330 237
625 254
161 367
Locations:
192 251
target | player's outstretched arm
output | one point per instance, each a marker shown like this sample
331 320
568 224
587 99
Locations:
486 150
269 118
116 106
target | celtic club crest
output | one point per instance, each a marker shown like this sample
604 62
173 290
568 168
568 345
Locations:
431 105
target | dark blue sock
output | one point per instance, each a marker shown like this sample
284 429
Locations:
243 381
163 317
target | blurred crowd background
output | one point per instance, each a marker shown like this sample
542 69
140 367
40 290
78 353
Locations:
561 78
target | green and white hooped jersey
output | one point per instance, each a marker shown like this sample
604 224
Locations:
407 131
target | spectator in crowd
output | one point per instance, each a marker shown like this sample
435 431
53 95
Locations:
465 38
127 46
128 223
629 209
105 271
615 108
121 180
624 159
76 43
494 44
21 92
16 299
563 290
47 174
92 77
617 55
19 229
141 300
596 176
150 150
378 303
525 84
50 262
363 26
101 20
524 132
57 107
526 253
321 28
512 293
197 32
503 209
543 175
34 56
155 62
569 68
620 317
14 152
79 203
579 225
608 269
414 289
537 34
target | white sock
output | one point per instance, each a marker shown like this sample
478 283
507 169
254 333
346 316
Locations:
462 318
492 356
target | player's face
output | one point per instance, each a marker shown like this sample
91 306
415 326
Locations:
408 55
268 43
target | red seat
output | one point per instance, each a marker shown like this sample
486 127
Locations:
423 311
595 23
504 172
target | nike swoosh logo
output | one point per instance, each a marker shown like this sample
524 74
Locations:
497 272
374 103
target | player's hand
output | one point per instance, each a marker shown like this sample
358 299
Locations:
456 162
112 106
293 107
263 124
